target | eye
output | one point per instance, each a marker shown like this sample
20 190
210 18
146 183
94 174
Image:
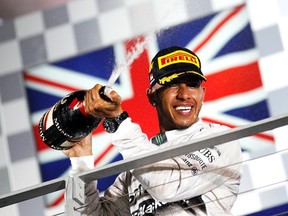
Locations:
173 85
193 83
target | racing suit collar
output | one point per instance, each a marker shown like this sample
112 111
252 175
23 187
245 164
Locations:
163 137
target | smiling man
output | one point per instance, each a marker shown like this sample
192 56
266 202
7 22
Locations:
205 182
175 87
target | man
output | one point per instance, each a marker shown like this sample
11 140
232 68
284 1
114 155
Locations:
204 182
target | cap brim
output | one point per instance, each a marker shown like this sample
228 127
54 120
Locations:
176 75
200 75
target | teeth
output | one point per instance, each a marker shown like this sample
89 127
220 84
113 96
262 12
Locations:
183 108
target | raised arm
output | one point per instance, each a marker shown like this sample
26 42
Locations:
115 200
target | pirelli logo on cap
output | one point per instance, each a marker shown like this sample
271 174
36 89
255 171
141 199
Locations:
177 57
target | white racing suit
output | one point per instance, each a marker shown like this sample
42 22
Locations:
204 182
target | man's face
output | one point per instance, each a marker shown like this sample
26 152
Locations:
178 104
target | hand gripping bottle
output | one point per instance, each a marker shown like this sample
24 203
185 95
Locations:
67 121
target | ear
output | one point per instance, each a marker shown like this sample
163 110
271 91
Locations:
151 96
204 91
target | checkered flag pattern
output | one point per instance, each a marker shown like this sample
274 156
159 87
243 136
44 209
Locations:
82 26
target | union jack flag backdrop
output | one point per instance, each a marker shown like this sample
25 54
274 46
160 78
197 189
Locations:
234 95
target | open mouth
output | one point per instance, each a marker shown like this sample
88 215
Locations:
184 109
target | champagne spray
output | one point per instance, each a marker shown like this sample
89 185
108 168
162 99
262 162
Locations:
66 122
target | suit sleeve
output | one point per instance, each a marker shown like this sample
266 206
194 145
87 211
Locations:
113 202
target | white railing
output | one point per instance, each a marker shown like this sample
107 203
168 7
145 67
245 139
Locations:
75 186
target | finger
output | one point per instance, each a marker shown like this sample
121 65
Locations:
92 99
115 97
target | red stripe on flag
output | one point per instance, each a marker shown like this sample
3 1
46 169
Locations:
58 201
222 23
103 154
39 80
233 81
262 136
